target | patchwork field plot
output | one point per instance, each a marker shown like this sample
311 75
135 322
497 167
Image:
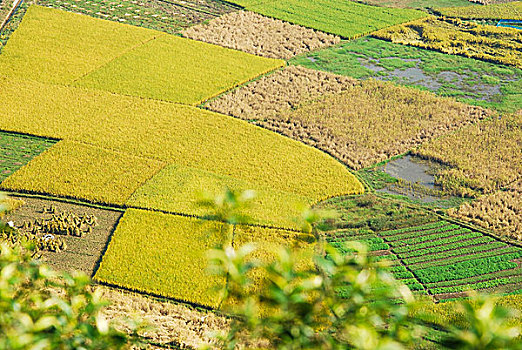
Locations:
88 52
17 150
69 45
344 18
484 157
166 16
165 255
509 10
165 132
179 189
82 253
138 257
72 169
430 256
260 35
268 96
367 123
199 71
500 211
468 80
488 43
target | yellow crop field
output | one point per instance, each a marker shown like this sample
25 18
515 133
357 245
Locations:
174 134
509 10
178 189
177 69
164 254
58 47
72 169
79 50
452 36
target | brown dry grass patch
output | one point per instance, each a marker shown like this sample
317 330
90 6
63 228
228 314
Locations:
358 122
500 211
268 96
260 35
170 323
484 157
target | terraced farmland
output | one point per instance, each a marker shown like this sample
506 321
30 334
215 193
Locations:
442 259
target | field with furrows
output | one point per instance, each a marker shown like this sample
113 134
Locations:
441 259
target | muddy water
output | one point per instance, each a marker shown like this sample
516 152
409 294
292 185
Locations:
467 82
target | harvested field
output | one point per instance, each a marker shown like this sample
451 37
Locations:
500 211
452 36
484 157
82 253
164 16
260 35
509 10
347 19
367 123
172 323
468 80
288 88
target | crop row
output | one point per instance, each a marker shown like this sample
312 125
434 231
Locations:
477 286
437 241
456 252
433 240
373 243
414 229
446 247
449 261
423 233
468 268
475 279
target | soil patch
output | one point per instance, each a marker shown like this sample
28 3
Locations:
82 253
